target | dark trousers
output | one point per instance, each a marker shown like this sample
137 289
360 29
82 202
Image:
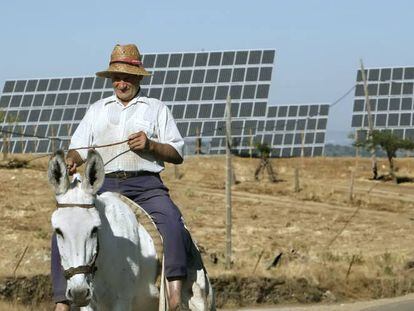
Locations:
151 194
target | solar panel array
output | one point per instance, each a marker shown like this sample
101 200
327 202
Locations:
290 128
391 93
193 85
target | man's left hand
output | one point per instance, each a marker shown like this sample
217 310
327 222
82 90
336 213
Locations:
139 142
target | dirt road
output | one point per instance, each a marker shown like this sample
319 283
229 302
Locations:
405 303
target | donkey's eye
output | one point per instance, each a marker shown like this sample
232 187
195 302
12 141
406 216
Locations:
59 232
94 231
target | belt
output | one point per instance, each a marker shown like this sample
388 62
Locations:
129 174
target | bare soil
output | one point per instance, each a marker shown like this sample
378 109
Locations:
330 249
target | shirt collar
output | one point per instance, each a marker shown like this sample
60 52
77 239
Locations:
135 100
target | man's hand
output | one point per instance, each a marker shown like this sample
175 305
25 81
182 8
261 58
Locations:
139 142
71 166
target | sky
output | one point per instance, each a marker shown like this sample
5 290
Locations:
318 43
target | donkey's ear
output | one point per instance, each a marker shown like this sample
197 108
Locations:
57 173
94 172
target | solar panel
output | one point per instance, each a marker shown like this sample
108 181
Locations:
228 58
185 77
241 58
208 128
195 87
77 84
246 109
225 75
191 111
222 92
20 86
390 90
162 60
252 74
9 86
212 75
149 60
215 59
188 60
175 60
198 76
218 111
205 111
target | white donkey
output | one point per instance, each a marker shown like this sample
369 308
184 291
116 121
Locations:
109 259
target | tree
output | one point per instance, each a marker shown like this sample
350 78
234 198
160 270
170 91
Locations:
264 151
389 143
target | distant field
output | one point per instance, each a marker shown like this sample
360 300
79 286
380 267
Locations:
348 251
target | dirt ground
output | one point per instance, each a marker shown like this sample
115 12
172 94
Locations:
331 249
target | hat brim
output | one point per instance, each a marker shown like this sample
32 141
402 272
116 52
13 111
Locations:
123 68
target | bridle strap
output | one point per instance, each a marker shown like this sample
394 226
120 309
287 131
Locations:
58 205
87 269
90 269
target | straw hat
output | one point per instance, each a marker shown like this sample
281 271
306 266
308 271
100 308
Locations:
124 59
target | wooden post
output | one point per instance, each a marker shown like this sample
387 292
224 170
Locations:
302 147
5 146
251 143
370 123
351 187
68 128
21 139
228 183
353 172
302 155
37 139
297 187
198 142
52 132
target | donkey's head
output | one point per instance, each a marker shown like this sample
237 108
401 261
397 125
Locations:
76 222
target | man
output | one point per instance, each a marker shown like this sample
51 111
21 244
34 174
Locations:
133 168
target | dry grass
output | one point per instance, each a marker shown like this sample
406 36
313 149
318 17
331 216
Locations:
18 307
268 217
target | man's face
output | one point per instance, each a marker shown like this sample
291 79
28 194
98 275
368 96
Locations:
125 85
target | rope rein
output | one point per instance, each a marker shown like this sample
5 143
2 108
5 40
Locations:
107 145
89 147
101 146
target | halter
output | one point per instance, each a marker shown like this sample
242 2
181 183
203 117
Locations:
86 269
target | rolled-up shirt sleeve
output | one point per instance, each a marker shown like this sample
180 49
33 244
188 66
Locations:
169 133
83 134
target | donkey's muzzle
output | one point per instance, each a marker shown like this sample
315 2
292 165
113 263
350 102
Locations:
80 297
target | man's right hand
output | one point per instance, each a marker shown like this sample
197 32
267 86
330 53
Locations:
71 166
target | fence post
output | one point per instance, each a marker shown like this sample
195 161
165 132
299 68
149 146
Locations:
5 146
370 123
198 142
251 143
228 183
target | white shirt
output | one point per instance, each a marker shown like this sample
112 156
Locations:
109 121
